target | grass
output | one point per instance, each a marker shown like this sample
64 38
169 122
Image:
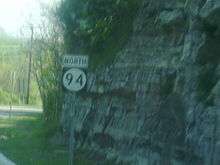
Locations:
6 97
25 140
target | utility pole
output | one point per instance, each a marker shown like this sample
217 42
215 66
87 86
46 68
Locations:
30 64
12 80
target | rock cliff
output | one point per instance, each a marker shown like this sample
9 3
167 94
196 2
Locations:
159 102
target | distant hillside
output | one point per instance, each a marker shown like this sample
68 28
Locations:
6 39
2 30
2 33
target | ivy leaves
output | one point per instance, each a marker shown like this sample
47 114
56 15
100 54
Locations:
101 25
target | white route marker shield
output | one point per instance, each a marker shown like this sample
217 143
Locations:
74 79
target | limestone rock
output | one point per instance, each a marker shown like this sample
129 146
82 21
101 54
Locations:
158 103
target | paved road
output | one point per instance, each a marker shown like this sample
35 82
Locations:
5 111
5 161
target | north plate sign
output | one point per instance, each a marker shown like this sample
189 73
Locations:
75 61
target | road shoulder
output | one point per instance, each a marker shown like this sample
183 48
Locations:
5 161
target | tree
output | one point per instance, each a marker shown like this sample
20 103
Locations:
48 70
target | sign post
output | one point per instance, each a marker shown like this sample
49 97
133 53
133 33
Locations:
74 80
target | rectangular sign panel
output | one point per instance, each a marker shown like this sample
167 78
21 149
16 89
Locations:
77 61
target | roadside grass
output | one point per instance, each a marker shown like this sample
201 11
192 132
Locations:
24 140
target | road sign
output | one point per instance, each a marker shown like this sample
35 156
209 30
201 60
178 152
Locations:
76 61
74 79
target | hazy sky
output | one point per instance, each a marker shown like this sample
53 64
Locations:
14 13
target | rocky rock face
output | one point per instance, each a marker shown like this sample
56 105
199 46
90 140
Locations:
159 102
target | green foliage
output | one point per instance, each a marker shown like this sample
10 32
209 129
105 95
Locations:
28 134
13 72
48 73
97 27
5 39
6 98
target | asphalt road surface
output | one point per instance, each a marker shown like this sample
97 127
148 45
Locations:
6 111
5 161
